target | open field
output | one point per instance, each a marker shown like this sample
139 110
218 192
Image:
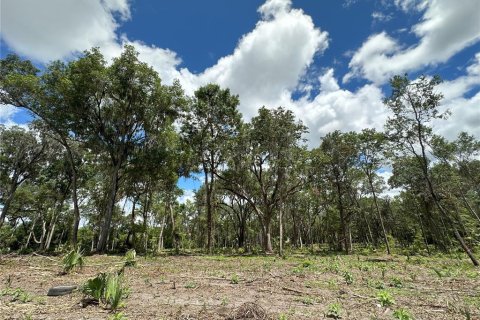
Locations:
214 287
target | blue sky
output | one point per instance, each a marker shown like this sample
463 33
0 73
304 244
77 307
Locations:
329 61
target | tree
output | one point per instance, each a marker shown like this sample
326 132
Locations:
415 104
371 145
116 108
21 153
334 164
266 165
212 123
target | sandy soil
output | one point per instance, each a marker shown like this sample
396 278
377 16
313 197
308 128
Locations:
215 287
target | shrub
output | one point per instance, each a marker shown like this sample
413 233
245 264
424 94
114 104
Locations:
402 314
107 289
130 258
72 260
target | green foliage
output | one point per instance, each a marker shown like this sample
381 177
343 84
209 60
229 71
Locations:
118 316
396 282
348 276
234 279
385 298
190 285
107 288
130 258
72 260
334 311
402 314
17 294
115 291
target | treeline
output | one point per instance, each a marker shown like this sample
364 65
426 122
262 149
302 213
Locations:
98 168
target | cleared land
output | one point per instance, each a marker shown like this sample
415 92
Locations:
217 287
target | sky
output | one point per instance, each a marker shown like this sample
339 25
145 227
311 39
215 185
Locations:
329 61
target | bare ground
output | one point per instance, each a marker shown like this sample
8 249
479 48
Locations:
218 287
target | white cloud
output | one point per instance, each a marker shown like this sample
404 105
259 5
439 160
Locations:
339 109
446 28
54 29
381 17
268 62
188 195
7 112
465 110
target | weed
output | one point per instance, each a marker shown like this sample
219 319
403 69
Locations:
130 258
190 285
224 301
72 260
282 316
17 295
402 314
234 279
334 311
385 298
307 264
348 276
396 282
107 289
118 316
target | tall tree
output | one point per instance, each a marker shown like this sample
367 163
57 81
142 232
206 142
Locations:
212 123
415 104
21 153
266 165
371 146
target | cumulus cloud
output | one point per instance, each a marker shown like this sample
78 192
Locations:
55 29
465 110
445 28
335 108
270 62
261 69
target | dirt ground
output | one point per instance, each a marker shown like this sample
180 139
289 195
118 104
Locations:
217 287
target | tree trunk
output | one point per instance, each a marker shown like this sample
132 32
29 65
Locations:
380 217
160 236
267 237
281 231
7 203
76 210
104 232
174 229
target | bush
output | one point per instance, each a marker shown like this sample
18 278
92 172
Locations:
72 260
107 289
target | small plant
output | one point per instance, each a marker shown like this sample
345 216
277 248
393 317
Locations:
224 301
190 285
107 289
17 295
95 287
71 260
348 276
396 282
115 291
402 314
130 258
118 316
282 316
307 264
334 311
385 298
307 301
234 279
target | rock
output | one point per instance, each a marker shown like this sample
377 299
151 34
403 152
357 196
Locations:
61 290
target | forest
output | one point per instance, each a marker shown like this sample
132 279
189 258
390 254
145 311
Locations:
96 171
